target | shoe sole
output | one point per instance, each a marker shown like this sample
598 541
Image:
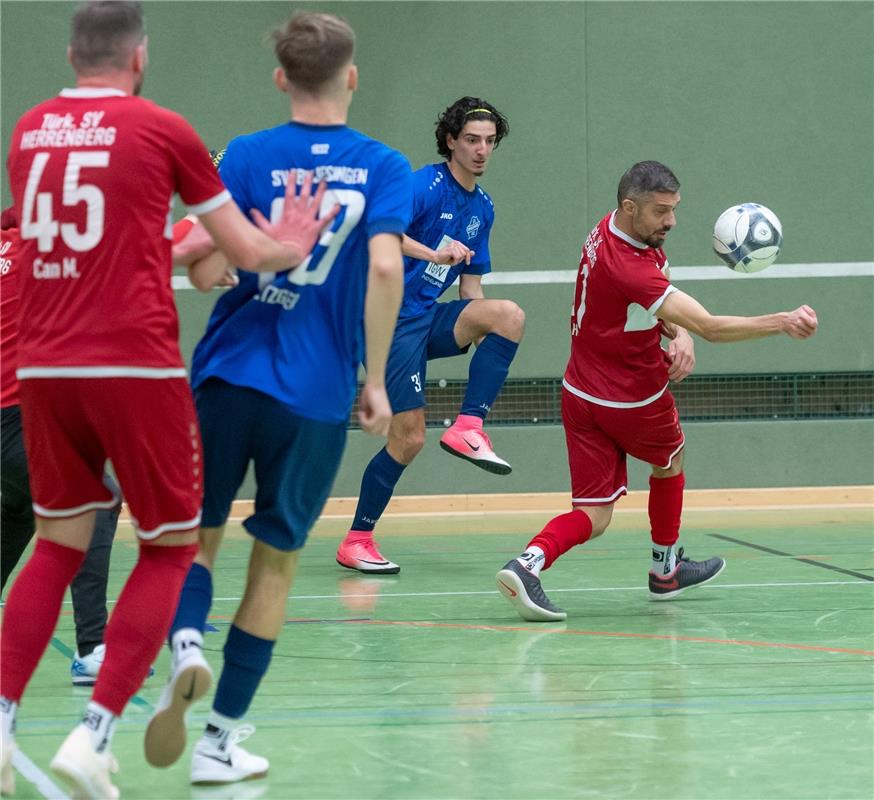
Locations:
375 571
671 595
488 466
85 681
252 777
511 586
80 785
166 734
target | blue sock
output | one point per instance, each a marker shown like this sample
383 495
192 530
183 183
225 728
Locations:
488 371
377 486
194 601
246 660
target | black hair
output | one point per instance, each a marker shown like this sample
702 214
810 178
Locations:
462 111
645 177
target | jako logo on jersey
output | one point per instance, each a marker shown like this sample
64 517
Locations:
320 149
446 215
473 227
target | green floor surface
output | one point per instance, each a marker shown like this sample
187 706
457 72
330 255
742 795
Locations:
427 685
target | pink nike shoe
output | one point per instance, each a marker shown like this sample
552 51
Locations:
363 555
473 444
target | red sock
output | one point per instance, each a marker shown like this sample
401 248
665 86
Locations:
666 508
140 622
32 610
562 533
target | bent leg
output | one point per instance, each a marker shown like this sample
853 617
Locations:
247 654
406 438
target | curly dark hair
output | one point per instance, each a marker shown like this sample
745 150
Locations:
453 119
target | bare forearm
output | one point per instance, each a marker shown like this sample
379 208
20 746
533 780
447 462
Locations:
417 250
736 329
381 305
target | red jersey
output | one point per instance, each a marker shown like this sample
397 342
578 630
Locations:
616 355
94 172
9 247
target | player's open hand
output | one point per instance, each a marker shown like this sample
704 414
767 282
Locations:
801 323
300 225
454 253
374 410
681 352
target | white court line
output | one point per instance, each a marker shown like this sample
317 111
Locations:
511 277
385 595
32 773
382 596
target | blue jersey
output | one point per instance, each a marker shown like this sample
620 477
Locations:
298 335
442 210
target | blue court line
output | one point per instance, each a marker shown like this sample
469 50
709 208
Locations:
62 648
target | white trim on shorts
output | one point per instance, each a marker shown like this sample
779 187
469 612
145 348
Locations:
166 527
592 501
674 454
61 513
598 401
210 205
157 373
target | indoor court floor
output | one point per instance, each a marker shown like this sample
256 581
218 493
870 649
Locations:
427 684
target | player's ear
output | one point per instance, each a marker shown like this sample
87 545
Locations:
140 57
280 80
69 55
628 205
352 78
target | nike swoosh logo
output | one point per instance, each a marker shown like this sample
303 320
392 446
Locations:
190 693
508 588
225 761
673 584
470 445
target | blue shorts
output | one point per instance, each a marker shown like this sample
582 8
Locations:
417 341
295 460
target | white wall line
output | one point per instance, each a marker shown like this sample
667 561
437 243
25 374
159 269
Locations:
32 773
848 269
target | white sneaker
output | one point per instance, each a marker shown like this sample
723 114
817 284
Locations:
85 771
84 669
190 679
221 760
7 771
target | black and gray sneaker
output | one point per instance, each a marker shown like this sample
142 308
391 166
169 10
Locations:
687 574
526 594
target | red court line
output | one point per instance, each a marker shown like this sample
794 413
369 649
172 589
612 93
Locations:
618 635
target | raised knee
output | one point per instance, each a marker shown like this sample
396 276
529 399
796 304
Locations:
512 320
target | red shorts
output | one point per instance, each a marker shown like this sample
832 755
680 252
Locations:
146 427
599 437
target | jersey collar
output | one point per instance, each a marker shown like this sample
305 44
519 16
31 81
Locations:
469 192
90 92
624 236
